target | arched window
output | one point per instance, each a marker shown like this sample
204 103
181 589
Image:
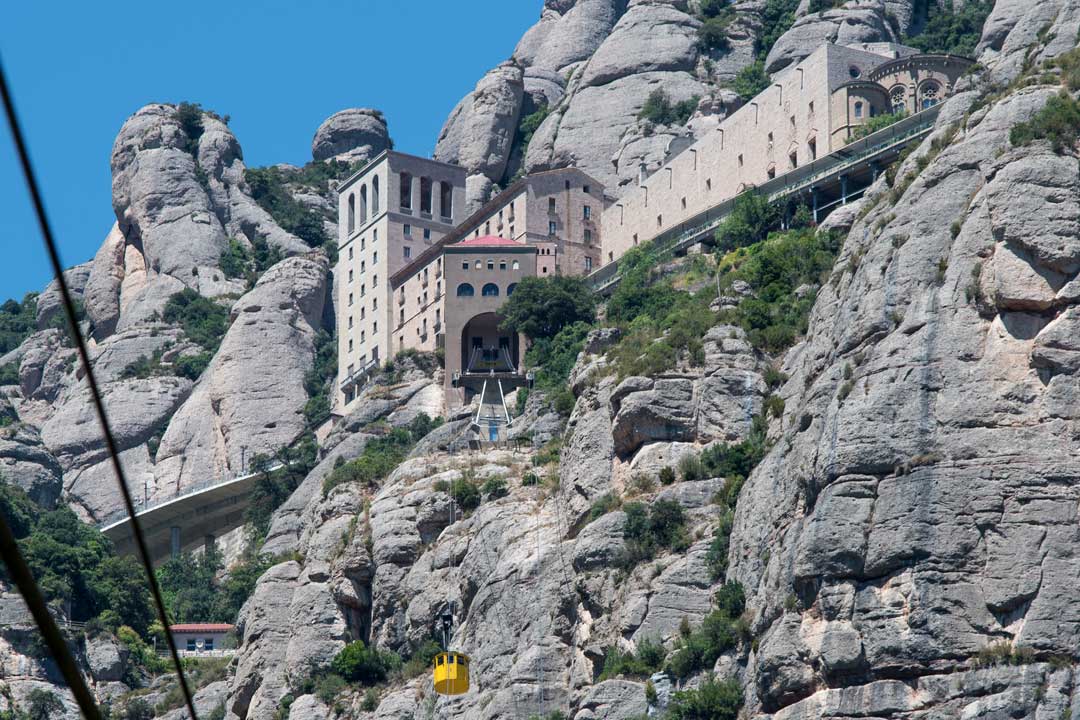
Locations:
930 96
516 266
897 99
352 213
375 195
858 109
465 290
490 290
510 289
363 204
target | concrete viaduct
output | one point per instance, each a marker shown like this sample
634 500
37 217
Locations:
186 521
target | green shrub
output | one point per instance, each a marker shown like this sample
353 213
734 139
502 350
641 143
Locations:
356 662
329 686
494 488
43 705
18 320
189 115
1058 122
716 558
773 316
698 649
370 702
774 405
239 262
549 454
666 475
608 502
377 460
192 366
712 700
529 479
751 80
648 530
777 17
691 467
878 122
954 29
465 493
268 188
750 221
554 358
527 127
203 321
541 307
648 659
9 374
318 381
659 110
713 33
74 564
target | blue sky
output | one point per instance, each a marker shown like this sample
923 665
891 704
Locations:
279 68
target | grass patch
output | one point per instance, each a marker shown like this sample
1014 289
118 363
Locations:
381 455
1058 122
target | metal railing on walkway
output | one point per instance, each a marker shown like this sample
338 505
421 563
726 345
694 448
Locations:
826 169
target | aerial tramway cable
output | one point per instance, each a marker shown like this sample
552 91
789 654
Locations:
12 558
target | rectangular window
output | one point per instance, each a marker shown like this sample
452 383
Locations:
812 147
551 205
551 227
792 122
810 108
684 203
350 344
350 253
588 264
659 221
363 310
350 298
191 644
363 289
350 319
407 250
502 264
363 267
427 234
375 326
362 336
708 184
407 230
585 188
588 236
375 257
586 212
464 264
740 165
350 272
770 139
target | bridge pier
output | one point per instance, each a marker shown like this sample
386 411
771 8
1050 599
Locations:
843 189
174 541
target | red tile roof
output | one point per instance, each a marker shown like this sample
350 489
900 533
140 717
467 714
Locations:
201 628
488 241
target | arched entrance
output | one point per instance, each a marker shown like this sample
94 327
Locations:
486 349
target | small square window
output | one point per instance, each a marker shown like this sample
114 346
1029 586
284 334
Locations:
585 188
502 264
464 264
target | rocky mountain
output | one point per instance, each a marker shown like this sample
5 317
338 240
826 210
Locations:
588 67
904 546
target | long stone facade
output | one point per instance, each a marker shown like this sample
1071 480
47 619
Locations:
809 111
406 255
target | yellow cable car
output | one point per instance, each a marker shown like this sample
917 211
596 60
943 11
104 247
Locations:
451 673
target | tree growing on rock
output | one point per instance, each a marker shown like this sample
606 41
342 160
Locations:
541 307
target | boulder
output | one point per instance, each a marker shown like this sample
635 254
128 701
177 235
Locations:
106 659
355 135
664 413
480 131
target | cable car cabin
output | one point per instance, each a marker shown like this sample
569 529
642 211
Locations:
451 673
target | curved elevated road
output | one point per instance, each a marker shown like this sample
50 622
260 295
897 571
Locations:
186 521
